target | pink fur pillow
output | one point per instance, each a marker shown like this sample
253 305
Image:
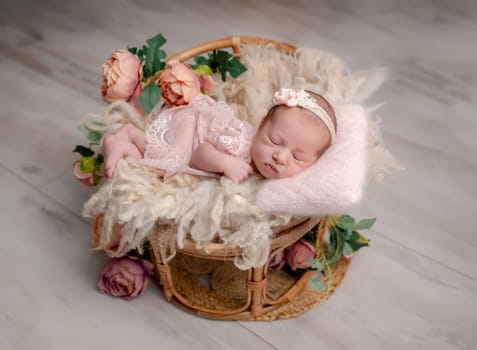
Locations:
334 183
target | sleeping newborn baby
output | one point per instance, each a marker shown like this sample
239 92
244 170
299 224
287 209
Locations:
206 138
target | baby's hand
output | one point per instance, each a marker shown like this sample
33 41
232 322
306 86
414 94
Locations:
237 169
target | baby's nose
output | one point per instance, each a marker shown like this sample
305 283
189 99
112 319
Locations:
280 157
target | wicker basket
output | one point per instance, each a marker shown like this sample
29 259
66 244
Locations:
209 284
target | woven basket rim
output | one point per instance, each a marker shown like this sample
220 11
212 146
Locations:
282 236
235 42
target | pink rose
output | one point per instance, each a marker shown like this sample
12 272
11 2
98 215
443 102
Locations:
86 178
179 84
299 253
278 261
121 73
125 277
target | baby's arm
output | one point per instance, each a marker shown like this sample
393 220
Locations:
206 157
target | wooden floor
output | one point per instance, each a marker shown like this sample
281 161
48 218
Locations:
415 288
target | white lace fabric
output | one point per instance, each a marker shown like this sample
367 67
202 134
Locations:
176 132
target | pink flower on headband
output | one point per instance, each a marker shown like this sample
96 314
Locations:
301 98
290 97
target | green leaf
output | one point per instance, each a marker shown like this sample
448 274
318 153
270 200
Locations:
345 220
357 246
222 61
204 69
147 67
87 164
365 224
345 232
357 241
347 249
310 236
333 241
316 284
222 58
149 97
157 40
90 135
348 222
315 264
100 159
132 50
358 237
212 59
154 55
140 54
235 68
96 178
158 65
200 61
84 151
336 245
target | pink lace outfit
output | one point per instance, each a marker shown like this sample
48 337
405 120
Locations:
176 132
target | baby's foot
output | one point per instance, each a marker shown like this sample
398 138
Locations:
116 147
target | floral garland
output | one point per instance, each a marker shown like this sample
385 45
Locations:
142 78
306 254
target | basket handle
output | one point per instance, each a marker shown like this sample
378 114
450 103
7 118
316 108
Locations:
232 41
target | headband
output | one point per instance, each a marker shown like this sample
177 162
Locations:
301 98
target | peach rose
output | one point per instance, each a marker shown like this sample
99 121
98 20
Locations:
299 253
121 74
125 277
86 178
179 84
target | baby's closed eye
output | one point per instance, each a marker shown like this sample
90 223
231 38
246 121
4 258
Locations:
273 140
298 157
301 157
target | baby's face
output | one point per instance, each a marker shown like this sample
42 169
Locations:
288 143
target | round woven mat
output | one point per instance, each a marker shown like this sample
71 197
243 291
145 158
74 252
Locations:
196 292
228 288
229 282
308 298
278 282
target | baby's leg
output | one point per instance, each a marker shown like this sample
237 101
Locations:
128 141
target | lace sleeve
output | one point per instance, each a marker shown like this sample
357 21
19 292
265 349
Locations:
169 139
228 133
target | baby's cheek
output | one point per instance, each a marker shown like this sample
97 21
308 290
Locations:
301 167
